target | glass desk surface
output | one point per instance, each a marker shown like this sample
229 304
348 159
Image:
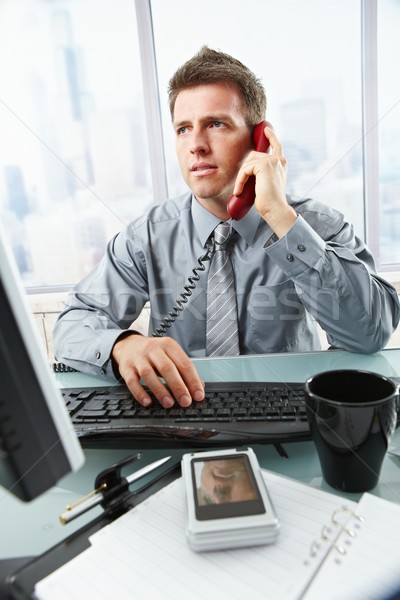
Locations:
28 529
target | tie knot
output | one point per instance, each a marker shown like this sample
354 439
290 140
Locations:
222 234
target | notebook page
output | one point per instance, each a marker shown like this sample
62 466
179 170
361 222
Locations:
370 569
145 554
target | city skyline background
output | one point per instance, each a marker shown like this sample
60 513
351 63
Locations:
75 167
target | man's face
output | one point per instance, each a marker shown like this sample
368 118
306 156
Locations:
212 139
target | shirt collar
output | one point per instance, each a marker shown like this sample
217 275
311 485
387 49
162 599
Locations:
205 223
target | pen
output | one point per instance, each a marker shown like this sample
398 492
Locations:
96 496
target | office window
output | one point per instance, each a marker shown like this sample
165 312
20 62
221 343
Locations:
308 55
74 159
389 131
74 163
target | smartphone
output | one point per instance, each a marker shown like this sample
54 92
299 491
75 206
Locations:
227 502
239 206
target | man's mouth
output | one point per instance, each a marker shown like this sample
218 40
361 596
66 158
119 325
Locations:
202 169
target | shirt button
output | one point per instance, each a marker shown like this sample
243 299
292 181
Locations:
301 248
102 371
290 257
98 355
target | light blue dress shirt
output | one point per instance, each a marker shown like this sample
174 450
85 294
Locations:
319 271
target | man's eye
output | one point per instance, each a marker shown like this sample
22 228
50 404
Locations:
217 124
182 130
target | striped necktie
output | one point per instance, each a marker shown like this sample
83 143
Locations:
222 328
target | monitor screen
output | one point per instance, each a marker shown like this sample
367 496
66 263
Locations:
38 444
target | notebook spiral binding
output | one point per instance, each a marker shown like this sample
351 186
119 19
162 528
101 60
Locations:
335 524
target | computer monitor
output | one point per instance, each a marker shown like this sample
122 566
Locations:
38 444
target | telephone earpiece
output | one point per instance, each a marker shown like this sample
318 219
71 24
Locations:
239 206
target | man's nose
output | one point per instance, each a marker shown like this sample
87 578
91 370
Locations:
198 142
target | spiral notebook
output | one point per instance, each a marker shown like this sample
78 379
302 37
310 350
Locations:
328 548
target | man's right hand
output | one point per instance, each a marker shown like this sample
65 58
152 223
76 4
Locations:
142 359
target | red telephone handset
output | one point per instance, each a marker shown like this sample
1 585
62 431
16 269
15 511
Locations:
239 206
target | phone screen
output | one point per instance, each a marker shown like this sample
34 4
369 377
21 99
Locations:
225 487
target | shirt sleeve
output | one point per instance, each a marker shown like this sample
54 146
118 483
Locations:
334 275
101 307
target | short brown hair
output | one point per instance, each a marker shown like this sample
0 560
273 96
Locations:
208 66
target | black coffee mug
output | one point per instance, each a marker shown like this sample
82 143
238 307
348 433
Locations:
352 416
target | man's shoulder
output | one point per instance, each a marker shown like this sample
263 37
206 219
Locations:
315 212
171 209
304 205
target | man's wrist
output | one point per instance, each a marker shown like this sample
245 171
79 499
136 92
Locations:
114 362
281 224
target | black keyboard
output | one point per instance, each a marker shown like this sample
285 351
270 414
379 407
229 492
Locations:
231 414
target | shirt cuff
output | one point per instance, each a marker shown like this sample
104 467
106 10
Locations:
96 358
300 249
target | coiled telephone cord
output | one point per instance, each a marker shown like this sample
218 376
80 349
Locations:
184 296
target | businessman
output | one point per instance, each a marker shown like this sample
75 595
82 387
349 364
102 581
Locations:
288 264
